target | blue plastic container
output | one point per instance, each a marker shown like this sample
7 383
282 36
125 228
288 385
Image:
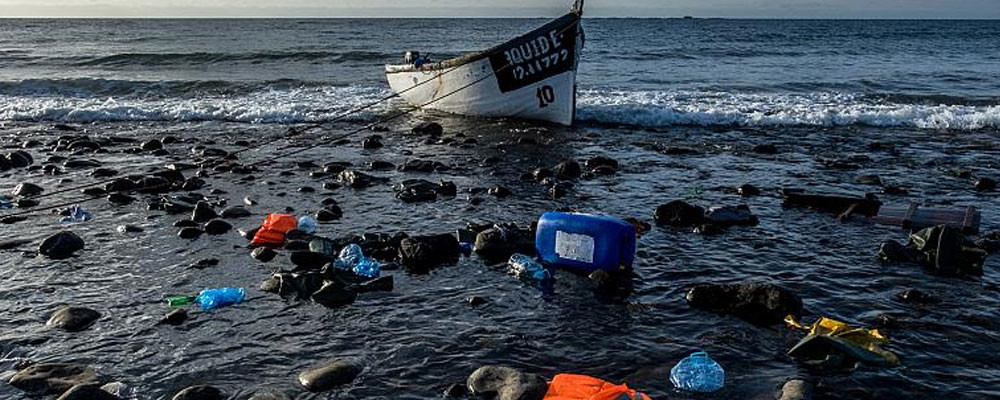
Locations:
585 241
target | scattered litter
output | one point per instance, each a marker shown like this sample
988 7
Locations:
525 267
307 224
582 387
698 373
77 214
585 241
832 343
351 258
209 299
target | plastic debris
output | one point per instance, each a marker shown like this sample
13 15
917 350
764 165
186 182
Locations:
77 214
210 299
698 373
307 224
525 267
352 258
858 344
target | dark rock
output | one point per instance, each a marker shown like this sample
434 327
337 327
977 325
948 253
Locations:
379 165
456 390
371 143
334 168
428 128
603 170
307 189
87 392
420 253
26 203
263 254
795 389
217 227
300 284
19 159
310 259
190 233
50 379
94 192
765 149
175 317
601 161
568 169
541 173
914 296
203 212
186 223
329 213
559 189
234 212
193 183
499 192
506 384
61 245
151 184
13 244
329 375
199 392
500 242
475 301
12 219
731 216
417 190
151 145
295 245
119 185
748 190
986 185
73 319
27 189
418 166
892 252
868 179
77 164
758 303
120 199
679 214
334 294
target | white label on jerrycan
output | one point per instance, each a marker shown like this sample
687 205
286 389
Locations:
576 247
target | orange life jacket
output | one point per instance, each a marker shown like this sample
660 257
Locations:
582 387
272 231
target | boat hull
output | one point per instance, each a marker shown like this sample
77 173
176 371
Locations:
530 77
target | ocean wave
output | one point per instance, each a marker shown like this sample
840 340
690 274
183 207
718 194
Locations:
93 87
161 59
666 108
316 104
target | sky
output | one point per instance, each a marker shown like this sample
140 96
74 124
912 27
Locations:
959 9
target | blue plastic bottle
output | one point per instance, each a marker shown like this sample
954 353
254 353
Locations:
585 241
210 299
348 257
698 373
367 267
525 267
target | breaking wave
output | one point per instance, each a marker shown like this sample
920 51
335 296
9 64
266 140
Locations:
666 108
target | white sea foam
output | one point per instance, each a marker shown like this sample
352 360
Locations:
665 108
311 104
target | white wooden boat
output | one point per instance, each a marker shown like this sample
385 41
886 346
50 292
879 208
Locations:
530 77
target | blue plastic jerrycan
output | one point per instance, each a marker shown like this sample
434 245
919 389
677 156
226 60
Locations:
585 241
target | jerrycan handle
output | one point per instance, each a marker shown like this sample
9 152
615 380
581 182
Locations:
698 354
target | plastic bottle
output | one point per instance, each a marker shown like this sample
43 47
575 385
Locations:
210 299
77 214
698 373
307 224
348 257
526 267
367 268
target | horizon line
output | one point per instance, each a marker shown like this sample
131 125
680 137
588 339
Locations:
505 17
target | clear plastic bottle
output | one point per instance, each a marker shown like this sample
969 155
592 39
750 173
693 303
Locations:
525 267
77 214
348 257
210 299
698 373
307 224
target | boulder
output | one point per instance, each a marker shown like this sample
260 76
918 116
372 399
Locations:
758 303
199 392
151 145
568 169
27 189
73 319
501 241
19 159
152 184
190 233
217 227
421 253
747 190
119 185
334 294
731 216
49 379
203 212
986 184
234 212
506 384
795 389
61 245
428 128
331 212
371 143
679 214
87 392
358 180
329 375
263 254
601 161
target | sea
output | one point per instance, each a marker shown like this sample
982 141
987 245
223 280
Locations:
908 111
643 72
